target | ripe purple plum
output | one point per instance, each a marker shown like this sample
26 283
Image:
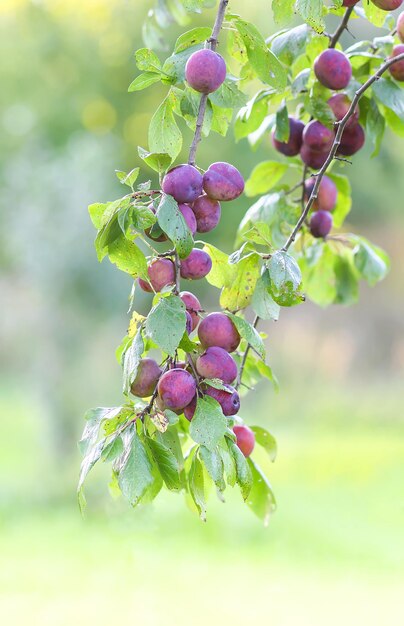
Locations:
223 181
217 329
245 439
352 140
292 146
333 69
318 137
188 323
189 217
327 193
387 5
189 410
144 285
400 27
197 265
161 273
349 3
183 183
397 69
312 158
176 388
207 213
205 71
320 224
339 104
147 376
217 363
228 399
192 305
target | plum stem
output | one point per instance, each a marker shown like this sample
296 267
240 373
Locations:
211 44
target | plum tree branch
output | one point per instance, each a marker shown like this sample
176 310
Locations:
332 154
341 28
245 355
212 45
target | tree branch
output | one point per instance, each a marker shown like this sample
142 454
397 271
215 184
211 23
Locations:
332 154
245 355
341 28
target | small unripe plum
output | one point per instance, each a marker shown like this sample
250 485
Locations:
339 104
207 213
147 376
192 305
188 216
333 69
223 181
292 146
352 140
320 223
183 183
188 323
312 158
397 69
318 137
400 27
176 388
197 265
327 193
349 3
217 329
161 273
228 399
205 71
189 410
387 5
217 363
245 439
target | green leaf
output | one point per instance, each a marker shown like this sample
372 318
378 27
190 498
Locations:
229 464
172 222
290 44
318 274
347 284
282 127
147 60
375 15
111 451
222 273
375 126
94 419
171 440
312 13
300 83
213 462
261 499
131 360
128 257
134 467
243 472
167 464
275 211
191 38
143 81
391 95
197 486
319 109
238 294
96 211
264 177
164 134
344 198
91 458
174 66
262 302
249 333
371 261
283 10
286 279
129 178
250 117
208 424
266 440
159 162
165 324
228 96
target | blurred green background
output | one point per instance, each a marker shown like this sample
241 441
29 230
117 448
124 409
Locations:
333 553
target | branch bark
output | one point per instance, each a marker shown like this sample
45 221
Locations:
341 28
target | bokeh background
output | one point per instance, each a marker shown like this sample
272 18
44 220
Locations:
333 553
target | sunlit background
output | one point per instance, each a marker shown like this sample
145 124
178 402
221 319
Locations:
333 553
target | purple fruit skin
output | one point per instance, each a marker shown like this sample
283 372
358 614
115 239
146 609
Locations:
318 137
189 410
400 27
144 285
352 140
188 324
320 223
146 378
189 217
216 329
349 3
333 69
313 159
327 194
339 104
207 213
223 181
205 71
217 363
161 273
197 265
245 439
387 5
292 146
229 400
183 183
176 388
192 305
397 70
